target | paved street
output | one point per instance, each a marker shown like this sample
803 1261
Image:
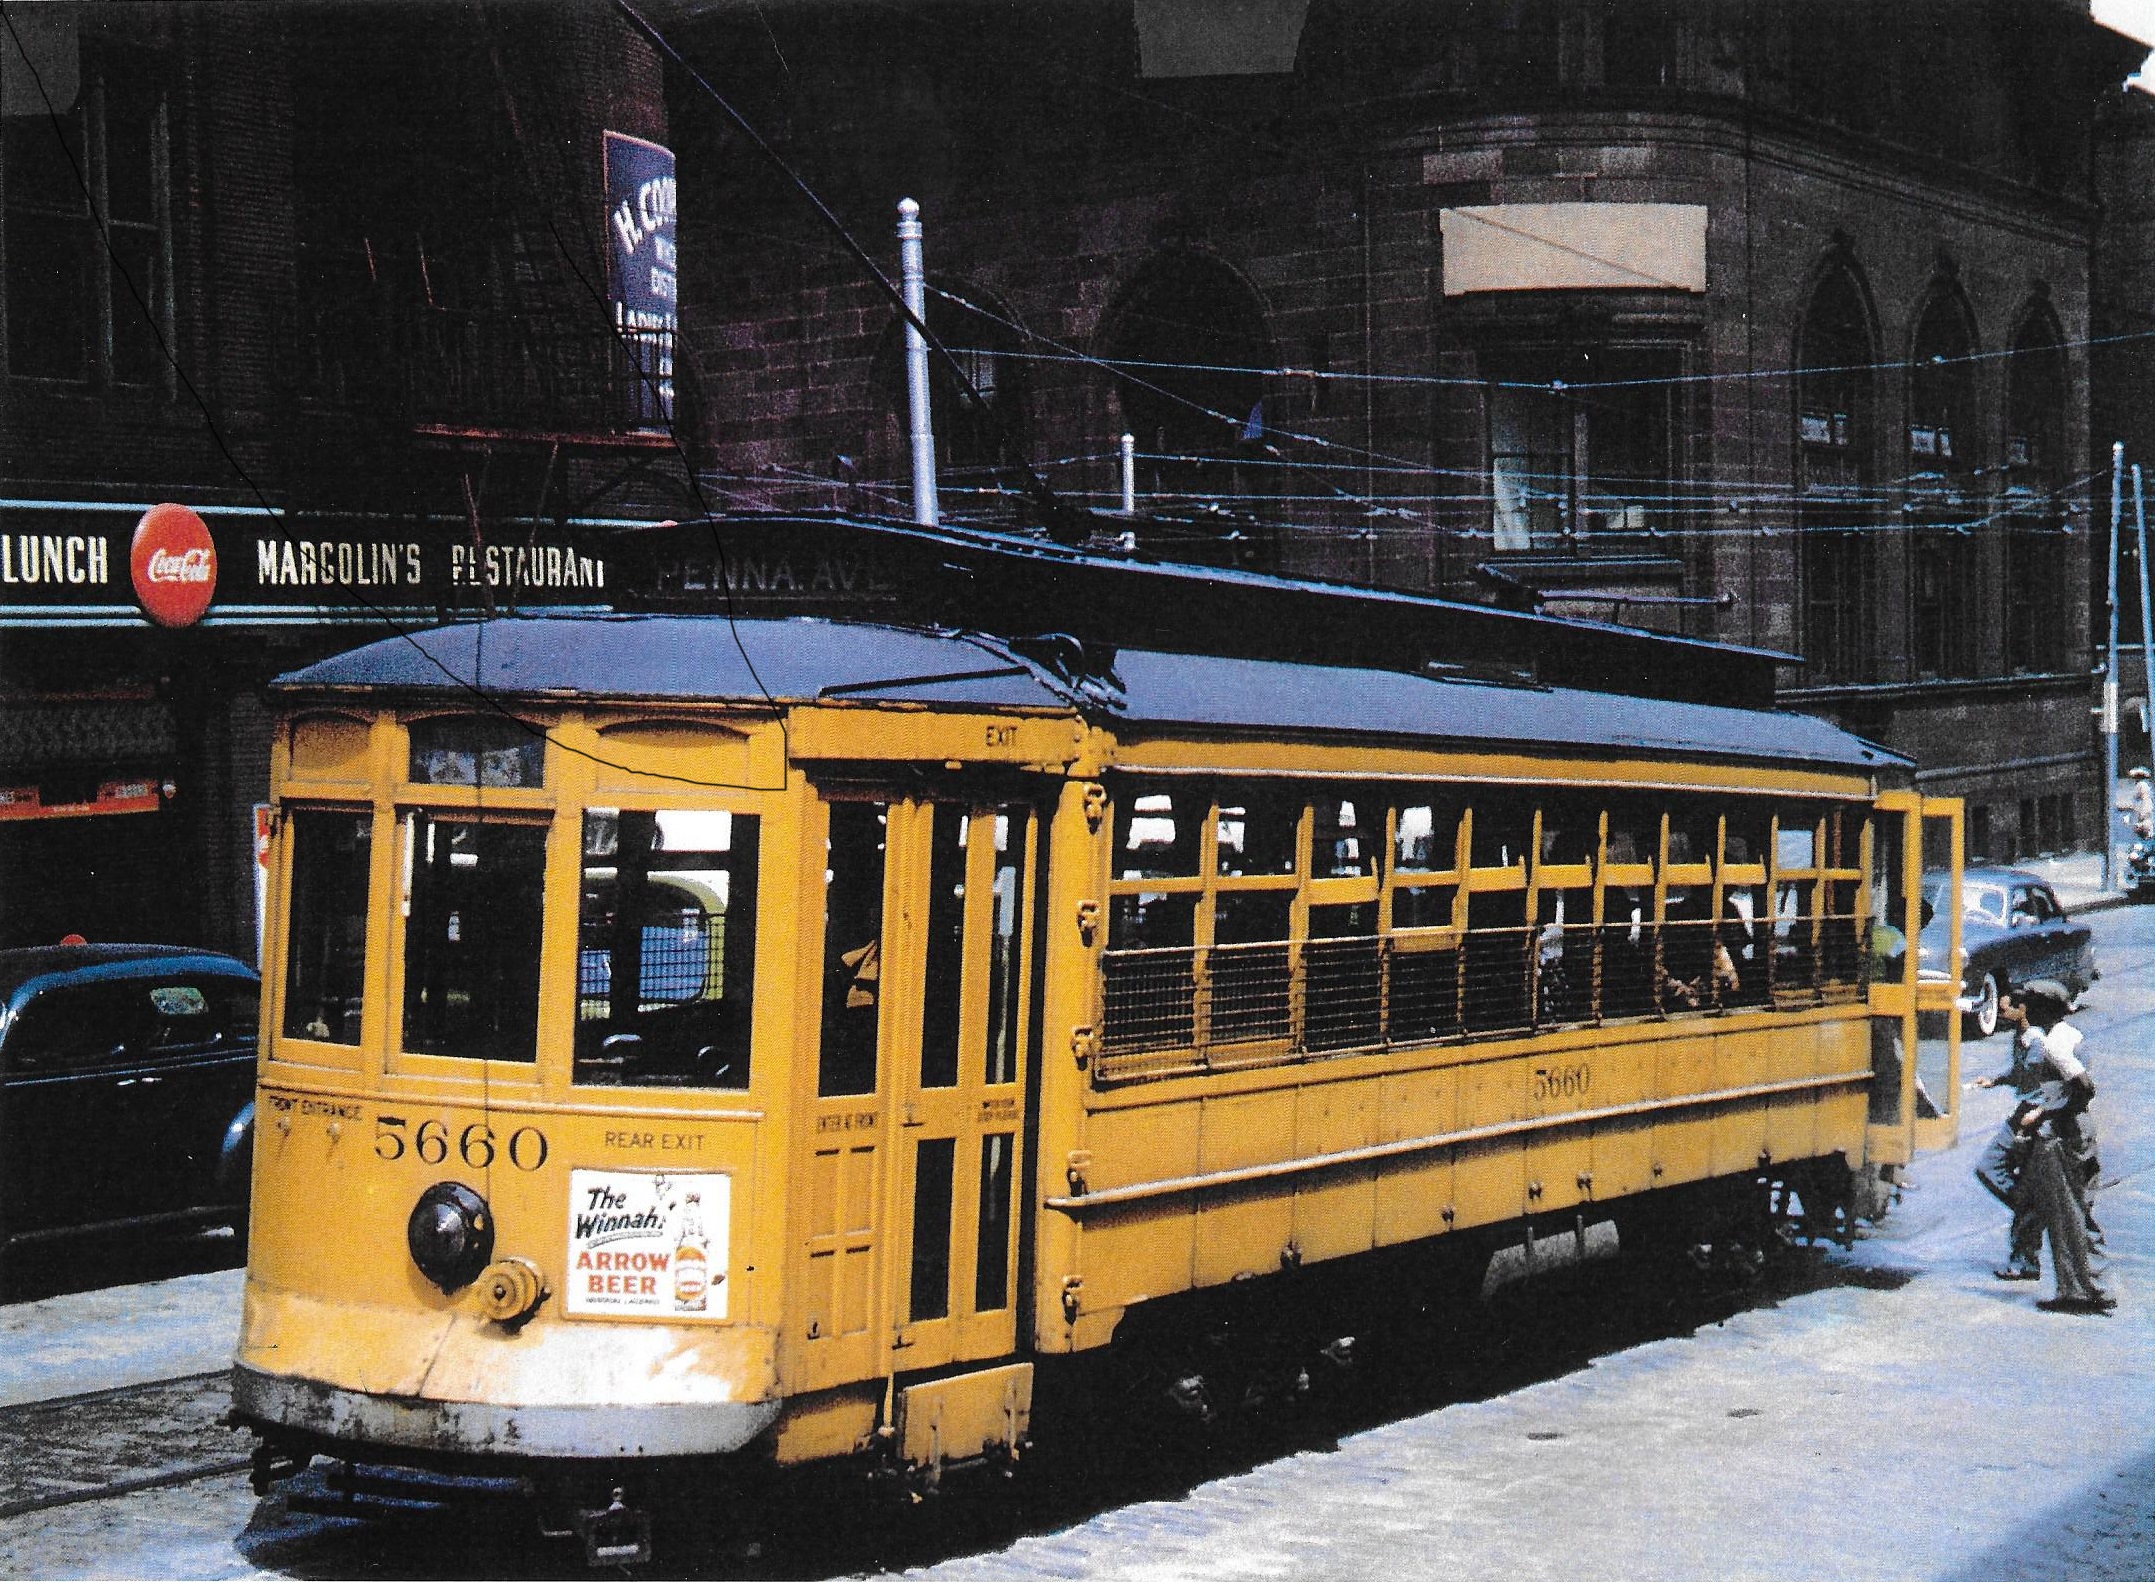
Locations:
1895 1414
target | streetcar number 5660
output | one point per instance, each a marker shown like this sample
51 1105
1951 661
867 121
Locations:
475 1144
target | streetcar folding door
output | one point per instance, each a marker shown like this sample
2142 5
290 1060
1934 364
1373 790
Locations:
918 1117
1938 991
1915 952
957 1083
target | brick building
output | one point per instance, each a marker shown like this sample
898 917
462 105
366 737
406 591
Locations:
335 279
1763 323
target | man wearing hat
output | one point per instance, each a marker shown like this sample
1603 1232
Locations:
2139 805
2041 1160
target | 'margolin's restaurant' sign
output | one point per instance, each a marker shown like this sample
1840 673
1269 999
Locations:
232 566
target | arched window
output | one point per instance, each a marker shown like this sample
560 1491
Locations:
1943 506
1188 338
1836 517
2035 635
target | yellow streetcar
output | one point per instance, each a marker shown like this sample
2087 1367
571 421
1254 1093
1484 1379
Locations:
689 1041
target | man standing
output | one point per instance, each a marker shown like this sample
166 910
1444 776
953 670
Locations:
2043 1156
2139 806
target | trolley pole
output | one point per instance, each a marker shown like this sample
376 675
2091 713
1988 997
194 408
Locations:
911 281
1129 475
2110 676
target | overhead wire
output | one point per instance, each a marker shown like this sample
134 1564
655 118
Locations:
1366 461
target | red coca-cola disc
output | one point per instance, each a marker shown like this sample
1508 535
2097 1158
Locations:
174 565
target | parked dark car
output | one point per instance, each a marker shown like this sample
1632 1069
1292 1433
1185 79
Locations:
2012 929
128 1097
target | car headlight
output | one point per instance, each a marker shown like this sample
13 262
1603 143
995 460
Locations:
451 1234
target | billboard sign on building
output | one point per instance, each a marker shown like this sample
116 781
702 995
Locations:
73 564
641 274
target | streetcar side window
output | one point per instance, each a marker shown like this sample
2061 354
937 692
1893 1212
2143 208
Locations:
666 948
477 750
472 898
1578 905
326 942
852 948
1157 829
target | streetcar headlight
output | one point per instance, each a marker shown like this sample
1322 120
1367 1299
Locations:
451 1234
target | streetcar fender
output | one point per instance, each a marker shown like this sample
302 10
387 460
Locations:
608 1432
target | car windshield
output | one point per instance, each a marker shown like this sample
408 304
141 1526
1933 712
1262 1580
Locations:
1984 903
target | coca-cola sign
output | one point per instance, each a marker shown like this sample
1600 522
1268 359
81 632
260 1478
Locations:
174 564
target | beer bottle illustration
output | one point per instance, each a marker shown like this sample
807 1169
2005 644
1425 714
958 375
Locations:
691 1259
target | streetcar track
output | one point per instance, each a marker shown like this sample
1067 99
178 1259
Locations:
125 1486
109 1443
61 1403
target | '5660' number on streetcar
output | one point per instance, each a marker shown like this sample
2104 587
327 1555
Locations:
476 1144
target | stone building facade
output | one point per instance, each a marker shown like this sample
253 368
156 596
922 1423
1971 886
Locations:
1766 324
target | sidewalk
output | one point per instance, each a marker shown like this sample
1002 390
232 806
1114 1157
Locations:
2077 879
122 1335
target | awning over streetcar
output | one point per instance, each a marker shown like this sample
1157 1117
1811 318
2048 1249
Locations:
806 660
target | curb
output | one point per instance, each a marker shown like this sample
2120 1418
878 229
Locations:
2102 903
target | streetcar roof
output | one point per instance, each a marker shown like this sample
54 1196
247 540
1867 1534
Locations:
683 658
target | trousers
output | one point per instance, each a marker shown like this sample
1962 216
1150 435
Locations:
1999 1170
2047 1181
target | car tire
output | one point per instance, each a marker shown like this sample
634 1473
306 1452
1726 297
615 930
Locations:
1983 1020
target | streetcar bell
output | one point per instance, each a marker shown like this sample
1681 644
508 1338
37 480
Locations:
451 1234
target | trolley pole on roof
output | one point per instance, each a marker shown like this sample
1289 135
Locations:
2110 676
912 283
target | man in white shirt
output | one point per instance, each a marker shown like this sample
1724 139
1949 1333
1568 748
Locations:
2054 1087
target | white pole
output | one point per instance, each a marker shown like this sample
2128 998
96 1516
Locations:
911 281
2147 631
2110 676
1129 475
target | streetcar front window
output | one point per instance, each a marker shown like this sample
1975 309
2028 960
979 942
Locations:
326 946
472 901
666 956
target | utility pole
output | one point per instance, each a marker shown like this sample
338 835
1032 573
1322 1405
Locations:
912 282
2147 628
2110 677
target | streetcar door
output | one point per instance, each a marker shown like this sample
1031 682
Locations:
1915 913
957 1078
840 1288
1939 987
